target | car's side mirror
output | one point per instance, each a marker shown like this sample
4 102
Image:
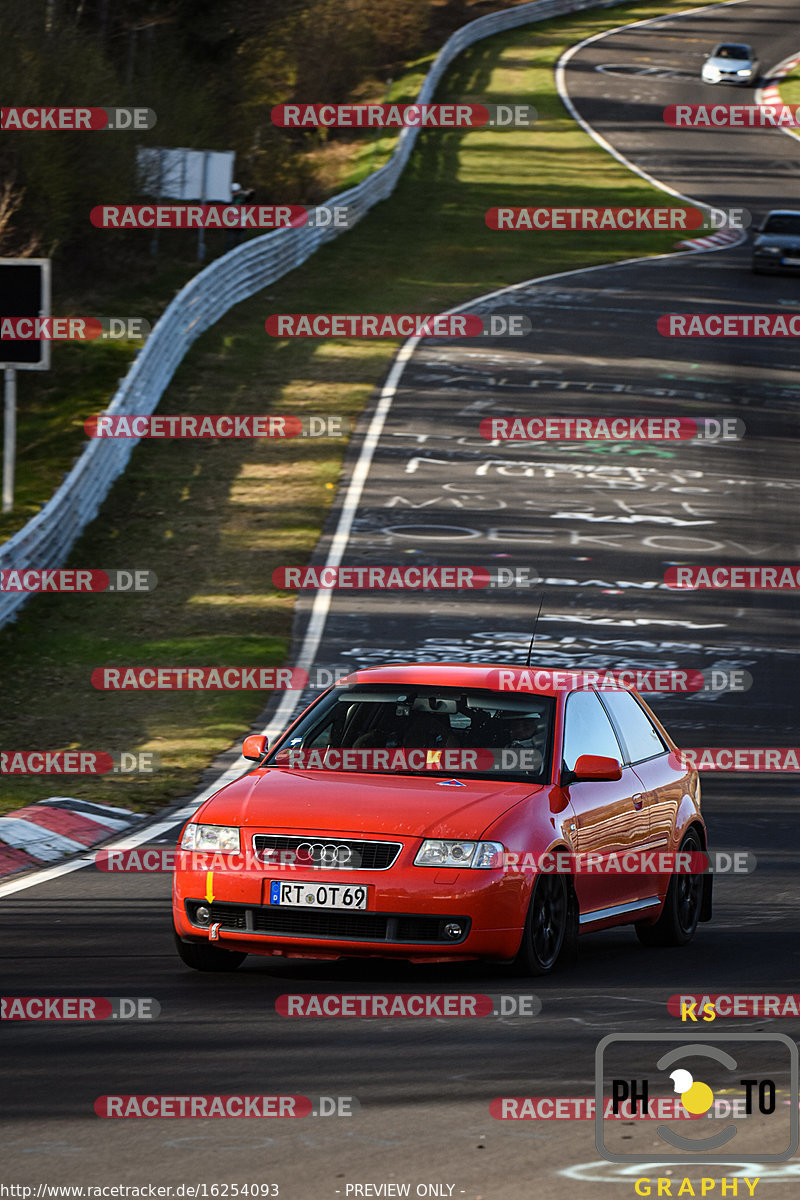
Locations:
255 746
595 768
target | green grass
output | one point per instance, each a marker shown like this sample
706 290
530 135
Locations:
53 405
213 519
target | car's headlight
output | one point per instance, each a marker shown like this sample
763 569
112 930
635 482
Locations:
439 852
745 71
768 250
210 837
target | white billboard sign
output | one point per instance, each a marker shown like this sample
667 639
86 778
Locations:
181 174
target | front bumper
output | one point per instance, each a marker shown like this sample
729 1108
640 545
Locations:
731 80
408 911
774 264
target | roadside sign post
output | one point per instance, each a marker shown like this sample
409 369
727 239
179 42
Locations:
201 238
9 437
24 292
193 176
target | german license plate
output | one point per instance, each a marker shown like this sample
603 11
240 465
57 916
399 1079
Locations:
317 895
791 262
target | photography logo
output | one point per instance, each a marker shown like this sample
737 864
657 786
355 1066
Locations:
634 1070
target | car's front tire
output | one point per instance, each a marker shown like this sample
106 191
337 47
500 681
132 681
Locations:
678 921
550 933
202 957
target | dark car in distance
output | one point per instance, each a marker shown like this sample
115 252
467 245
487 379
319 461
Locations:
776 248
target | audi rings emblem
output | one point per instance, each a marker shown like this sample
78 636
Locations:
325 854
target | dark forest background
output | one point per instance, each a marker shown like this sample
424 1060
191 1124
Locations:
212 70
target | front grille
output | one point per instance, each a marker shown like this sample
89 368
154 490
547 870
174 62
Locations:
349 926
363 855
369 927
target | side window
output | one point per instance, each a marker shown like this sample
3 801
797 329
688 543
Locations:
642 739
587 730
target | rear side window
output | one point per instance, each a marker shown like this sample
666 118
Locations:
642 739
587 730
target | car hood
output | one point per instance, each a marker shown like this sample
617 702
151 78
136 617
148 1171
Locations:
298 801
729 64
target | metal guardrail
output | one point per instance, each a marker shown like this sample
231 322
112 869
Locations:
45 541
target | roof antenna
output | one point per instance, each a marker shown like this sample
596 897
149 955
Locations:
533 635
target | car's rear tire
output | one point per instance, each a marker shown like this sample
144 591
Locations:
678 921
202 957
550 933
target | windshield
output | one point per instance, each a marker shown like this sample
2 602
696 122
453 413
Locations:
782 223
731 51
461 732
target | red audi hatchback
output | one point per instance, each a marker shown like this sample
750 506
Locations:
438 812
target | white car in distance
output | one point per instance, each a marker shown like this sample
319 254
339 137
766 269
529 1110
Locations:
731 62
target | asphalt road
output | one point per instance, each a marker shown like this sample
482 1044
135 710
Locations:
600 527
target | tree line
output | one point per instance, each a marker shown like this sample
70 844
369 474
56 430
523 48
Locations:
211 69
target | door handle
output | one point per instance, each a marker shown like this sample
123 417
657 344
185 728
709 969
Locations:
638 800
